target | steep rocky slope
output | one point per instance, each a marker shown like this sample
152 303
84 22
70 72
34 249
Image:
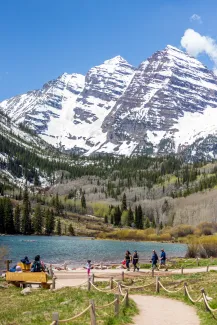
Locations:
167 104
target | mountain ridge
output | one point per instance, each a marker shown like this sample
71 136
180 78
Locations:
122 110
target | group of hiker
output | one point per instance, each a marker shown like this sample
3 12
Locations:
134 259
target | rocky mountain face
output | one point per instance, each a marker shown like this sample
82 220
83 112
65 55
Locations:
167 104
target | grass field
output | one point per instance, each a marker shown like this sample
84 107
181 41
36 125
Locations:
186 263
37 307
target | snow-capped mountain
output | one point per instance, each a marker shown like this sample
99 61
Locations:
165 105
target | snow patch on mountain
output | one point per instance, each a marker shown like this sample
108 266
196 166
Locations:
195 125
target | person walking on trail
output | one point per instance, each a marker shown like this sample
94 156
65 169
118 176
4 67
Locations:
88 267
135 261
163 258
128 260
154 260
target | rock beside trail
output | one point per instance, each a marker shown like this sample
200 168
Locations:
26 291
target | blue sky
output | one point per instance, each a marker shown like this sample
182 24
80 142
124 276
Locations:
42 39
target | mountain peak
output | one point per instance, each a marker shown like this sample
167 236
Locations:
171 47
116 60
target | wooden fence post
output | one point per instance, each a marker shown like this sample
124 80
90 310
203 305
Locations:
51 270
185 292
65 266
93 278
55 317
92 313
182 269
117 305
119 286
122 275
53 282
7 262
88 284
207 268
157 284
197 261
127 299
111 282
152 272
203 292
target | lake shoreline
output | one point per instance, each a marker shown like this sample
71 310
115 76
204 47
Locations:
95 238
77 250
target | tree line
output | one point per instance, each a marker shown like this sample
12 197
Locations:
26 221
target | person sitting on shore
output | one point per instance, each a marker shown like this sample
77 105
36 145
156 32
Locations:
25 260
37 266
128 260
135 261
154 260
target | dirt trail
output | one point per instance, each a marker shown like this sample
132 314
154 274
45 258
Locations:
163 311
153 310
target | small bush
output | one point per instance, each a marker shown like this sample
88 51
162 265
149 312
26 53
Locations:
210 245
182 231
165 237
192 250
153 237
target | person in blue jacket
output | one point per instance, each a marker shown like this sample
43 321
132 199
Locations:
163 258
154 259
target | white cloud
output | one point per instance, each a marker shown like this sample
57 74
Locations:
196 17
195 44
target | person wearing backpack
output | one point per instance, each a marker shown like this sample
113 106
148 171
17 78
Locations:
128 260
36 265
135 261
154 259
163 258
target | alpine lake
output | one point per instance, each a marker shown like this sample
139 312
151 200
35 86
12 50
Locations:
75 251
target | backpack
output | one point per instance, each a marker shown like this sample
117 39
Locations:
36 266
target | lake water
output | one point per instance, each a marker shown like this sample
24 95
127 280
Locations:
75 251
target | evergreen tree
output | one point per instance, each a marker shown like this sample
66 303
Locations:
17 219
36 179
161 225
106 219
117 216
147 222
49 221
136 216
57 205
139 218
83 202
37 220
58 227
2 217
124 203
8 216
130 220
153 224
71 230
26 227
